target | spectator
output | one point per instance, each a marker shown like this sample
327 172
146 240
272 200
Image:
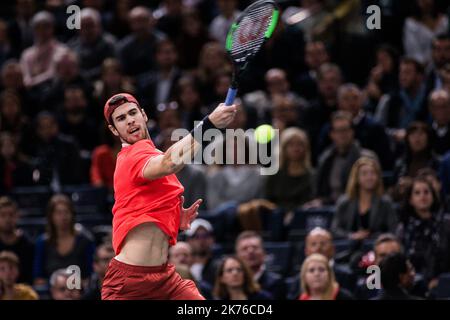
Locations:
364 211
12 117
118 24
38 61
293 184
439 105
397 276
369 133
20 27
249 247
201 239
420 29
219 27
169 17
14 170
444 174
424 236
103 255
59 289
318 280
136 51
188 96
418 152
14 240
56 158
9 273
329 79
440 53
76 122
398 109
158 86
316 55
92 45
191 40
6 50
63 244
234 281
336 162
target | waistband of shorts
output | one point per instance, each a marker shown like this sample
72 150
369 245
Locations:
139 269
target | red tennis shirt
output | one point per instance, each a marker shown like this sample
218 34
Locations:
139 200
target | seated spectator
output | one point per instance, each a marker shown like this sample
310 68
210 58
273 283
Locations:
440 53
201 239
421 27
432 177
63 244
364 211
169 17
439 105
188 96
293 184
383 76
316 55
276 86
249 247
398 109
14 169
386 244
335 162
103 255
286 112
397 276
38 61
318 280
14 240
369 133
91 44
136 51
424 235
228 12
234 281
158 86
418 152
12 116
319 240
55 157
9 273
59 289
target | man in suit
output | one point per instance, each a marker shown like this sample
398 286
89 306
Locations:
250 248
439 106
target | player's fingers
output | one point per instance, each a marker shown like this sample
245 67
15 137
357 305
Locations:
196 204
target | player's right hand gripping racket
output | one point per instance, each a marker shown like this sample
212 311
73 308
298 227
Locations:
246 36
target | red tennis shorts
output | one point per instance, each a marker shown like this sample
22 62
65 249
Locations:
127 282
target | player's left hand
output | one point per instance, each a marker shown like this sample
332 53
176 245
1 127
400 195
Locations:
188 215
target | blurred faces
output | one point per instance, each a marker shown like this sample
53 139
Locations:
227 7
251 251
329 84
47 128
140 20
201 242
368 177
12 77
181 253
350 99
166 55
233 274
90 29
9 272
417 139
276 82
316 55
316 276
74 100
62 216
440 107
385 61
421 197
384 249
319 241
8 146
341 134
8 219
67 66
295 149
60 290
43 32
440 52
409 78
103 257
407 279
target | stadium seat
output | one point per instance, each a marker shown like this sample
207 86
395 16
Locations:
278 257
306 220
32 201
87 199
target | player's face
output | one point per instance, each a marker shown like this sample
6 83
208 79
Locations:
130 123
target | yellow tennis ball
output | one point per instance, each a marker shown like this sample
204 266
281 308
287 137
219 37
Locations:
264 133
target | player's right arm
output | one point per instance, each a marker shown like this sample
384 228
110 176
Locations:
174 159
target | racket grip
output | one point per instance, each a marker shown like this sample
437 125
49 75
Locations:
230 96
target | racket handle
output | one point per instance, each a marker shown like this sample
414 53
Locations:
230 96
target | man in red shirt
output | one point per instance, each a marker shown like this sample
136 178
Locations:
148 210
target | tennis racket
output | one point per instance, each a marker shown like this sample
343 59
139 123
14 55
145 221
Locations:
247 34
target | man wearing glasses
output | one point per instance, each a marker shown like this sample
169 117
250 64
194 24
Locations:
148 210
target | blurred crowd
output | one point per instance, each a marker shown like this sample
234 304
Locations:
363 118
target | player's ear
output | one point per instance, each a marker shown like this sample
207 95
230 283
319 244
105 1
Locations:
113 130
145 116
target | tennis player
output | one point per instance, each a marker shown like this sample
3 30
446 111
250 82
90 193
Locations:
148 210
